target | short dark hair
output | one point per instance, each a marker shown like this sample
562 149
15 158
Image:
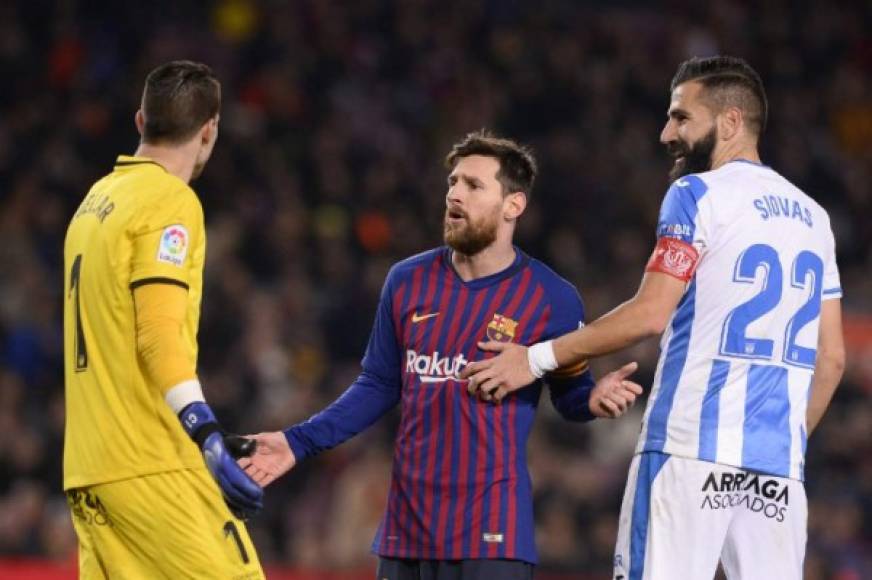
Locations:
517 165
728 81
178 98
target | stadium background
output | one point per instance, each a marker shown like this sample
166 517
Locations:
335 120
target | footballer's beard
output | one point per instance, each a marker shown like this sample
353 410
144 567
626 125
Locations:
470 237
692 158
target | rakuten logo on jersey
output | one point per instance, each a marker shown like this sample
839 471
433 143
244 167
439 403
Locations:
434 368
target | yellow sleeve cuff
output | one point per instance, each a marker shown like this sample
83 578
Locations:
569 371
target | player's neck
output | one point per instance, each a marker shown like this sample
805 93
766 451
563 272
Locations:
745 151
177 160
495 258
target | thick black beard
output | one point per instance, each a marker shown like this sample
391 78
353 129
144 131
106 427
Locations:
697 157
472 239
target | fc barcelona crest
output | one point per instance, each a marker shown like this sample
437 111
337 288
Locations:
501 328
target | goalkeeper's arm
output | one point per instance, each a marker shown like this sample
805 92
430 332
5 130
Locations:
169 363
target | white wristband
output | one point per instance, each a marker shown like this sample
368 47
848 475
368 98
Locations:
541 358
184 394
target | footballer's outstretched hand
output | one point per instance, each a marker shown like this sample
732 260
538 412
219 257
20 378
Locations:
220 451
613 394
272 458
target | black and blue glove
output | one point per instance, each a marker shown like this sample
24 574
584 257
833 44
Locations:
221 450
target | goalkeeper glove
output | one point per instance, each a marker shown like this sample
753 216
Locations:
221 450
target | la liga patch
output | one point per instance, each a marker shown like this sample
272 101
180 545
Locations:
173 245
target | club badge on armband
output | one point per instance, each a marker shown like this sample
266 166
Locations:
674 257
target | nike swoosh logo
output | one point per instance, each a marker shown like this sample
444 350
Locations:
416 319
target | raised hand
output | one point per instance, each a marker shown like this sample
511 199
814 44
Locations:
613 394
271 459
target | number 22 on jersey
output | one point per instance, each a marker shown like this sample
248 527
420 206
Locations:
734 339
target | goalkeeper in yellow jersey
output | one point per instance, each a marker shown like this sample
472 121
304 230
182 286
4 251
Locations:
145 504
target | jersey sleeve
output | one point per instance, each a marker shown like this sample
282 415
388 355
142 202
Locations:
375 392
165 237
682 230
570 386
160 315
382 357
832 287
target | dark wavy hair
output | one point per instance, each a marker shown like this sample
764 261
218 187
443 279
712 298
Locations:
517 164
728 81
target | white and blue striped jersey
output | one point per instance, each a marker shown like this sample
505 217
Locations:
737 358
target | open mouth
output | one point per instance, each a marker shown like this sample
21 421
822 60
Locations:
677 151
455 214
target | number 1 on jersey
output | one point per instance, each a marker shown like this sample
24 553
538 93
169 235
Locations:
230 530
81 352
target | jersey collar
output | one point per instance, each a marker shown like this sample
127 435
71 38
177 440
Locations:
521 260
749 162
131 160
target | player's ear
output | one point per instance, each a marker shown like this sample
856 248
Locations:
210 131
729 122
514 205
139 121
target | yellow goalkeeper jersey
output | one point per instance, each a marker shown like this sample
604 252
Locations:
138 225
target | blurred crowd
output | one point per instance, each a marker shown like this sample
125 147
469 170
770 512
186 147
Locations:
335 121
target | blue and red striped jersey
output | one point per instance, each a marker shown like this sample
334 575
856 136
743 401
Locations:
460 486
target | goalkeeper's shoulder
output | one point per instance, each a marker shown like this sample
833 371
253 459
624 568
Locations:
170 200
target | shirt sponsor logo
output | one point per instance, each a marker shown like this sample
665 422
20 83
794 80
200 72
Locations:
173 245
492 538
675 230
759 494
433 368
